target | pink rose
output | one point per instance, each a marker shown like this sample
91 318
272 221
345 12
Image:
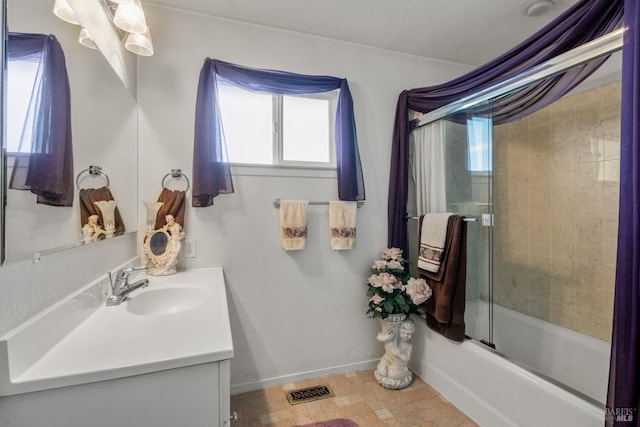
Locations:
380 265
392 253
395 265
418 290
374 280
389 282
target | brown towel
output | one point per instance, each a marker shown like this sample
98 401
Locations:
173 204
445 309
87 198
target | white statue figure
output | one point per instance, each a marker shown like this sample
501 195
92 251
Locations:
91 231
392 371
162 248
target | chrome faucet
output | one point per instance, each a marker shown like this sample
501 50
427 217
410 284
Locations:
122 288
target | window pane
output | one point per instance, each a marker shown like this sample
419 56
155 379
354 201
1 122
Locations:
479 137
247 120
306 129
21 77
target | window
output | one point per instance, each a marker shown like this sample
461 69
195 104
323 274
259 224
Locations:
282 130
23 80
479 135
211 171
39 118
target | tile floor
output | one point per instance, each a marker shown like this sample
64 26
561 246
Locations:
357 397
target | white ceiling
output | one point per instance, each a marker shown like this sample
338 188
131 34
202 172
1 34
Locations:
464 31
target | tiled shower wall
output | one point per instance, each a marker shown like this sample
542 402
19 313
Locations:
556 176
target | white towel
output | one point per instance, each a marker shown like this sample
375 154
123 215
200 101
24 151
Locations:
433 235
293 224
342 224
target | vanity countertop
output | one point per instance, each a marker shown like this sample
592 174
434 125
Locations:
176 321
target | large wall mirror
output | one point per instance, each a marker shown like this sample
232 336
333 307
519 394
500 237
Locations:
104 129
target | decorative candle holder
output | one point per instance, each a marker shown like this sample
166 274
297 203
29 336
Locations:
108 208
152 213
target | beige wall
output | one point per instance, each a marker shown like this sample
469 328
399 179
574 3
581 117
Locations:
556 211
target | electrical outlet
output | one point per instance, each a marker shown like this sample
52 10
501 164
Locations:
189 248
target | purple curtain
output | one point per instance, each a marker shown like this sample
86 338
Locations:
583 22
623 398
211 175
48 169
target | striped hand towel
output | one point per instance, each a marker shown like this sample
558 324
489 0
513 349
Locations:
293 224
342 224
433 234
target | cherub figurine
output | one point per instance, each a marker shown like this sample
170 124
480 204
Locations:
91 231
392 371
173 228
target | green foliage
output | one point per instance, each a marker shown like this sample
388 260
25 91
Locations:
387 286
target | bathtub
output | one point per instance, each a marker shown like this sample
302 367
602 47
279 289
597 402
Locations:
574 359
495 391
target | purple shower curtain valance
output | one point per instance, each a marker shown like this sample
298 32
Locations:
47 170
623 399
583 22
211 172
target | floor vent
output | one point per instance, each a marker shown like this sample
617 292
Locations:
309 394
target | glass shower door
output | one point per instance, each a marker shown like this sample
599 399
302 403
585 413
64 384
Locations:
469 179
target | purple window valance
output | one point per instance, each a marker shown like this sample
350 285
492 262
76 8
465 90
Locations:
583 22
211 172
47 170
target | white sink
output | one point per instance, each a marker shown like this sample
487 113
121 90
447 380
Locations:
177 321
171 300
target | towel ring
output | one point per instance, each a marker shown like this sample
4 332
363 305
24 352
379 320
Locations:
176 173
92 170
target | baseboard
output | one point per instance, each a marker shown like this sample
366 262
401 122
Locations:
301 376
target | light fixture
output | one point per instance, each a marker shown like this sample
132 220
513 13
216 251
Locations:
535 8
130 17
62 10
140 44
85 39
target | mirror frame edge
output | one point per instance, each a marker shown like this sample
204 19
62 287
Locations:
3 120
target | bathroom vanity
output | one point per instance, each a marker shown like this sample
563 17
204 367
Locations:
160 358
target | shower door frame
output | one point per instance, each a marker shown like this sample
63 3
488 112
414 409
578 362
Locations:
602 46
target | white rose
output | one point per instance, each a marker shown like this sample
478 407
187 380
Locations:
388 281
380 265
395 265
418 290
376 299
392 253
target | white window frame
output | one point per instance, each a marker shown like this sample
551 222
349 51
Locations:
277 161
278 142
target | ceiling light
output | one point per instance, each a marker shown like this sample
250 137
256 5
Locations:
130 17
62 10
140 44
537 7
86 40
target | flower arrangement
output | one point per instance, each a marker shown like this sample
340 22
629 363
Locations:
391 289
